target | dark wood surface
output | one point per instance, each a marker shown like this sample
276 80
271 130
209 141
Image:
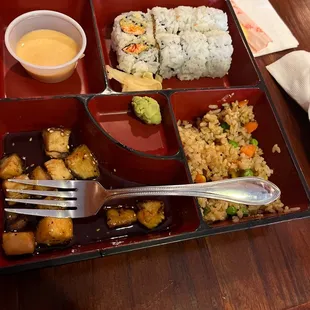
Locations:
264 268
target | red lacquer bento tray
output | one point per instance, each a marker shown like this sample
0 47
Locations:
130 154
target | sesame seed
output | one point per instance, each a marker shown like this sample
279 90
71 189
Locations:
31 165
98 229
68 147
62 134
24 158
13 144
114 170
30 139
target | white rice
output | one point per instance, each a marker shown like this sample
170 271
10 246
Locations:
196 54
185 18
206 55
276 148
165 20
208 19
220 51
204 47
172 56
212 107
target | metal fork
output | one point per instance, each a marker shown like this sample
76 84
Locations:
85 198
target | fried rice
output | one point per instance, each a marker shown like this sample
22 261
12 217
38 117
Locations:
216 148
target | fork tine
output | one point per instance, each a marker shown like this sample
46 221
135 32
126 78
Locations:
44 193
47 183
55 203
40 212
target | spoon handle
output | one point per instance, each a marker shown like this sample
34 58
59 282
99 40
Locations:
246 190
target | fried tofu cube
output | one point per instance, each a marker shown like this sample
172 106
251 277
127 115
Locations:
50 207
10 216
10 167
39 173
11 185
120 217
16 222
151 213
82 163
52 231
56 142
18 243
58 170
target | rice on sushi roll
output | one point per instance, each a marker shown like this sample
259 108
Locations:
208 19
172 56
196 52
206 54
220 52
165 20
185 18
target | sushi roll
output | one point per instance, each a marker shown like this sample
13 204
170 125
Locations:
186 42
206 55
134 43
128 26
185 18
193 42
172 56
220 53
208 19
196 52
165 20
138 57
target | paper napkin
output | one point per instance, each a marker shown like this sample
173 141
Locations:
292 72
262 13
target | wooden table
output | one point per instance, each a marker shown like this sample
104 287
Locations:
263 268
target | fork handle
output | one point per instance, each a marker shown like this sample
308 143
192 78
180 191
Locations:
247 190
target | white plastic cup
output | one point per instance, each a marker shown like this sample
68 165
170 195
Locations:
44 19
